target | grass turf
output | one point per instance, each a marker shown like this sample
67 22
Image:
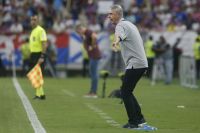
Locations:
66 111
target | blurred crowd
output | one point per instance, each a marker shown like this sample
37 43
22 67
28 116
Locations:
62 15
148 15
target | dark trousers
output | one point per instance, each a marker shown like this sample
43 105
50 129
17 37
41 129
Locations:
25 67
34 59
150 68
198 69
85 67
133 109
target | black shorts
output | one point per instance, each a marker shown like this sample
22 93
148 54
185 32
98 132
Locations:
34 59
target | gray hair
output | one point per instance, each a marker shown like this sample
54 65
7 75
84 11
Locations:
118 9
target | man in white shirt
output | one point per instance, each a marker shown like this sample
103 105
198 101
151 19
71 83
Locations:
132 50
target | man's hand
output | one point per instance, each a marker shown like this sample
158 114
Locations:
115 46
41 60
90 48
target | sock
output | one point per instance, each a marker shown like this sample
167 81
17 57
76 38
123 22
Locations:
41 91
38 92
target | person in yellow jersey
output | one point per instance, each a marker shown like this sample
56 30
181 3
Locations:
149 44
38 46
25 52
196 50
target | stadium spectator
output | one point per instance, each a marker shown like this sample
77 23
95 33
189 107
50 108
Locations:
171 26
91 10
94 26
69 22
130 17
148 15
51 58
196 50
136 64
25 52
58 25
150 55
164 52
38 46
58 5
16 26
83 18
90 44
176 55
151 14
76 7
48 16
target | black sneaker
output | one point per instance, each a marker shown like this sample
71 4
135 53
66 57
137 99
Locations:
43 97
130 126
142 122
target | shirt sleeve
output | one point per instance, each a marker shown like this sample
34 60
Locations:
120 31
43 36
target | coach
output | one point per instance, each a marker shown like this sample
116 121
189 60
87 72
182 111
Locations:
132 50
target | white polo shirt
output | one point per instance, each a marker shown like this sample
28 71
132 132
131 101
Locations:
132 48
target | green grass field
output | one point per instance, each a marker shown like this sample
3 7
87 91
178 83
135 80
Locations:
66 111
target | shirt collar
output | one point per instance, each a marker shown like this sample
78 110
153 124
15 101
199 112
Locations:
122 19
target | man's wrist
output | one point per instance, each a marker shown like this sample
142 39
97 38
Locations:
43 55
116 43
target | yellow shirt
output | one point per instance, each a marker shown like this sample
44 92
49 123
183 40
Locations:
196 50
25 50
171 28
148 49
38 35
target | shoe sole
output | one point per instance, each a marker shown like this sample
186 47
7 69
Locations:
146 128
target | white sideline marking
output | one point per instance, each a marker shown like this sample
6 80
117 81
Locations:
103 115
69 93
32 116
